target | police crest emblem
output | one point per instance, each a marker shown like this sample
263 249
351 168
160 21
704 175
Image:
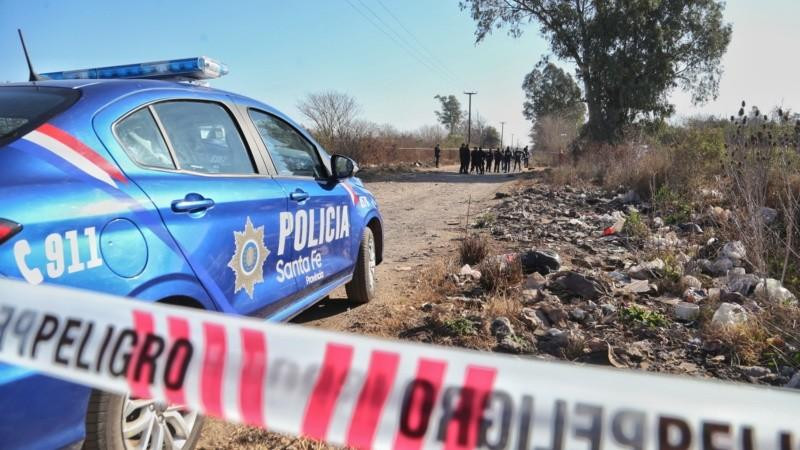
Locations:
249 257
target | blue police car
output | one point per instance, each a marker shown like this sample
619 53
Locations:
123 180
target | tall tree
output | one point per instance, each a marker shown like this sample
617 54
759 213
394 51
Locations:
450 114
332 113
629 53
490 137
549 91
553 104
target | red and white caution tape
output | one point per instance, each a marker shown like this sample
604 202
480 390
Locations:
371 393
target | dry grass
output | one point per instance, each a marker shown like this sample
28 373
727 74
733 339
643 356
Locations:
505 305
436 282
500 275
743 344
634 167
473 249
770 337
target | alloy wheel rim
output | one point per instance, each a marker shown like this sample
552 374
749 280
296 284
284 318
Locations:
151 425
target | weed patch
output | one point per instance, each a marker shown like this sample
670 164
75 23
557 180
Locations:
635 226
485 220
459 326
637 314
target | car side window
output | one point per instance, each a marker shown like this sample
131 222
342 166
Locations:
292 154
141 140
204 138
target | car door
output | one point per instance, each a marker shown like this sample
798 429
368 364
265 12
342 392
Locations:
317 225
217 201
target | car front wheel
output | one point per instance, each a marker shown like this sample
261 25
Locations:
120 422
362 288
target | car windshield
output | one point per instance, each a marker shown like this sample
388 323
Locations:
23 108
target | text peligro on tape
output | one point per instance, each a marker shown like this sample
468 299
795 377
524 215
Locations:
371 393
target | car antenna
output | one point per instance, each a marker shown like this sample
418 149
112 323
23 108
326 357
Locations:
33 76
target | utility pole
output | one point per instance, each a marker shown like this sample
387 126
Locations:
512 139
469 118
502 127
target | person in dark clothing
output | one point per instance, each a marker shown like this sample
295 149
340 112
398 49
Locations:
526 157
517 160
487 157
481 161
507 160
473 158
498 157
463 156
437 152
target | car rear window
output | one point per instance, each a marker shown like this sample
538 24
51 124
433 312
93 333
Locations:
23 108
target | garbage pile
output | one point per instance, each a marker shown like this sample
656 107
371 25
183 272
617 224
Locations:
608 282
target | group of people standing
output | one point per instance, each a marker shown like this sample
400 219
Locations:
480 161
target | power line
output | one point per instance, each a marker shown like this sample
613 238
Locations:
372 22
399 40
414 37
433 62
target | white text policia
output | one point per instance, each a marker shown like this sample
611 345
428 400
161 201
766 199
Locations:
309 228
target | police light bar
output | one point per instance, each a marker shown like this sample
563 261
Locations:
188 69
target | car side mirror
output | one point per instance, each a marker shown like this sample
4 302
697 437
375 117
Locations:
343 167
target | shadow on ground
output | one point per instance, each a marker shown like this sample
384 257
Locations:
327 307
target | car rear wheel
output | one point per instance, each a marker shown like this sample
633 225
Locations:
362 288
120 422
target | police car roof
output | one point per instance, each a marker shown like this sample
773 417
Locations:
126 84
104 90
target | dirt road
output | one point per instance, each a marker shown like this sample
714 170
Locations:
423 213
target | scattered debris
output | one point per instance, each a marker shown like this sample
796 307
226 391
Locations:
728 314
657 296
652 269
687 311
467 271
772 290
580 285
541 261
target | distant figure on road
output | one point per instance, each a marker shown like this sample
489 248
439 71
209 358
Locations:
526 156
518 159
507 160
437 152
487 157
463 156
481 161
498 158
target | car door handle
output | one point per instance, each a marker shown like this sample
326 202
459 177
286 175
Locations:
192 204
299 195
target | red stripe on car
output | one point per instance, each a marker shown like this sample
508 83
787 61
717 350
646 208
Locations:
81 148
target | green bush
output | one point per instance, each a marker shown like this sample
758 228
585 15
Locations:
635 226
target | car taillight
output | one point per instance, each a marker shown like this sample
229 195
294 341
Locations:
8 229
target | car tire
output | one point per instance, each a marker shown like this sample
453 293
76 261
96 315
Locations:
104 424
362 287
